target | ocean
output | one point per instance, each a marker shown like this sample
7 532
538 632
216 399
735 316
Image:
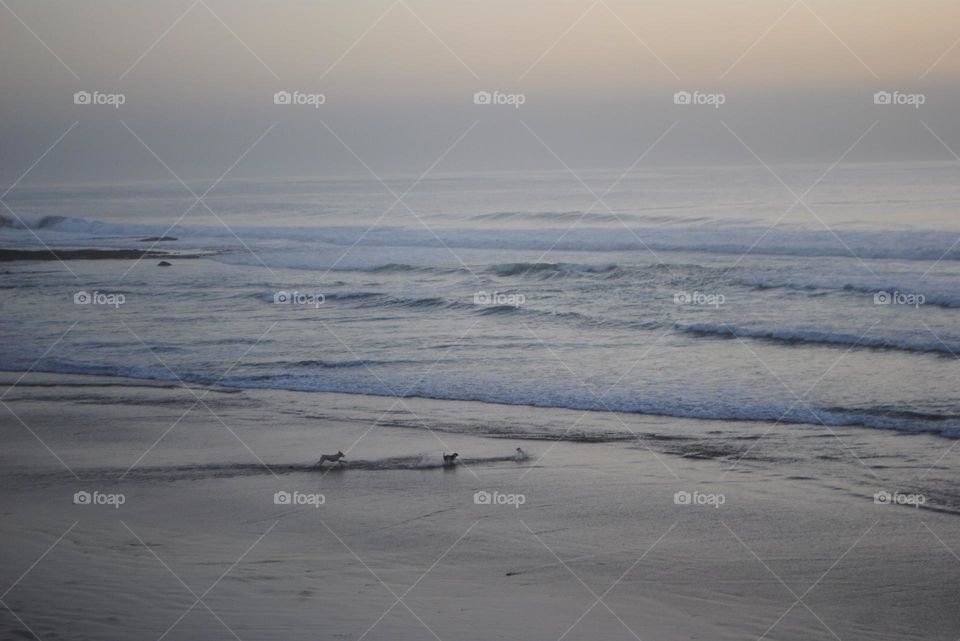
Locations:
713 293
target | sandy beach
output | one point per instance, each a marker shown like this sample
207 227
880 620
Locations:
598 547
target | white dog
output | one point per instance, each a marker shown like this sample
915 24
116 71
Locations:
333 458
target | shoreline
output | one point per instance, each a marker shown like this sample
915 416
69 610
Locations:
853 460
196 496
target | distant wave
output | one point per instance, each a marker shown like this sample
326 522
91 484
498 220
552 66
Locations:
521 269
325 364
559 216
931 297
810 336
787 336
902 244
27 222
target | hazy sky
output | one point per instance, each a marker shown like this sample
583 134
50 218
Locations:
598 79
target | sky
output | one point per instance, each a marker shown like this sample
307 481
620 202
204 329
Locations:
597 80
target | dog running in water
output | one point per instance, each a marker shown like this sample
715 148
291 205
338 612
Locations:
450 459
333 458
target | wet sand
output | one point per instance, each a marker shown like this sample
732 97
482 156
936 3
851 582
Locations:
201 546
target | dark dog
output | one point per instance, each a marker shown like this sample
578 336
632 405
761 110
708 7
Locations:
450 459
